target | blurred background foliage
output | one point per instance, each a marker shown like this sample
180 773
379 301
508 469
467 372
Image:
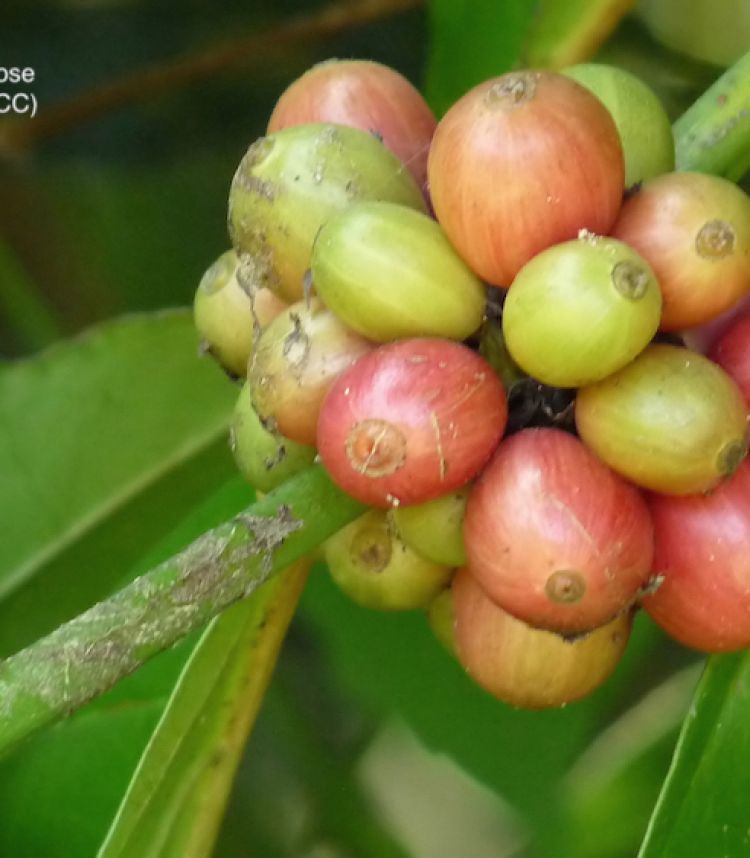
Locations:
371 741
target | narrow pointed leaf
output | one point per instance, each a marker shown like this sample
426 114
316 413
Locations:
175 802
90 423
702 809
107 441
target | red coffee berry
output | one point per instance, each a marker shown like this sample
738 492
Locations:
553 536
694 231
529 667
520 163
410 421
732 353
702 566
365 95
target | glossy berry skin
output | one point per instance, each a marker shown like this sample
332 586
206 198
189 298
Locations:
671 421
694 230
522 162
435 528
263 457
641 120
296 360
732 353
410 421
581 310
289 183
702 566
374 567
389 272
229 311
702 338
366 95
527 667
553 536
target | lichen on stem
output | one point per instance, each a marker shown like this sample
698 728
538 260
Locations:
88 655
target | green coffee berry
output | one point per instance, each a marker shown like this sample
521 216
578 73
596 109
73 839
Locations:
581 310
671 421
376 569
390 272
296 360
265 458
442 619
435 529
229 311
289 184
641 120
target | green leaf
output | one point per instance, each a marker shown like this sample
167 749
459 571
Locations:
106 441
118 438
59 791
299 787
703 806
57 795
470 41
174 804
565 32
32 321
609 792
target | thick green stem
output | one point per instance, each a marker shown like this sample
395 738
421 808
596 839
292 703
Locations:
713 136
88 655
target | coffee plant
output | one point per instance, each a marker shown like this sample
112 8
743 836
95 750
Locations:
455 430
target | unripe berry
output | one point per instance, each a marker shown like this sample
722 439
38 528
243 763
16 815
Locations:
435 528
296 360
288 185
264 458
229 310
528 667
376 569
671 421
365 95
642 122
581 310
389 272
442 620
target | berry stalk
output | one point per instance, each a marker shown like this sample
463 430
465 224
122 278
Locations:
85 657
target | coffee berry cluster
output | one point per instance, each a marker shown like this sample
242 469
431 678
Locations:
482 328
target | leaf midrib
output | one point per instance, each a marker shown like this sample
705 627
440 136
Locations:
14 578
